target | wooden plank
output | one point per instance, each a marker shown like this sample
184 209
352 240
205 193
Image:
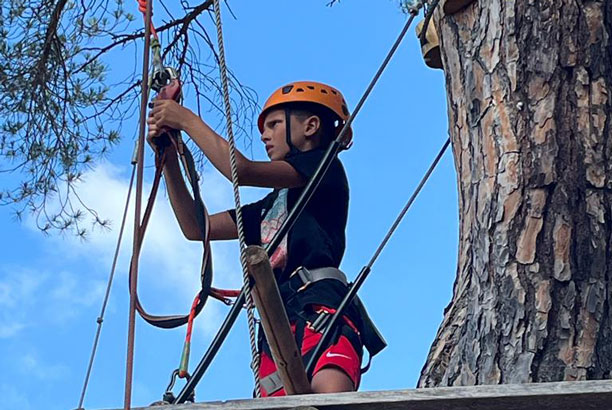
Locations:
586 395
275 323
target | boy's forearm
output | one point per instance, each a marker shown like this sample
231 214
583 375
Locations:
213 146
180 198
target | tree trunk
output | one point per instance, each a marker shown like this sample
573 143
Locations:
530 108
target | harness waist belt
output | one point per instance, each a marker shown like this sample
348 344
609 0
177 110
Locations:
309 276
302 278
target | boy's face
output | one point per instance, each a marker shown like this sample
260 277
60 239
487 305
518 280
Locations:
275 134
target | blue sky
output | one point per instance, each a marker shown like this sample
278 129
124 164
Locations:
51 288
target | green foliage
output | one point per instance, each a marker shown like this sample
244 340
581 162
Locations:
60 113
50 97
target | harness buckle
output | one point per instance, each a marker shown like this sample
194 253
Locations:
320 322
304 275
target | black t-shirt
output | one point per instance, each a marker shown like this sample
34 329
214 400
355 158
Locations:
318 237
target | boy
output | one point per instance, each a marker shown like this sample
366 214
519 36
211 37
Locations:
297 124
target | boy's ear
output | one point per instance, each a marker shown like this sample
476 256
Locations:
312 125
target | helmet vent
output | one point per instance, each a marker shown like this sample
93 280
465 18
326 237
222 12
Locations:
334 92
299 90
323 91
287 89
310 87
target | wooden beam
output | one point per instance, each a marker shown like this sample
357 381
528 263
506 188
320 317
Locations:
275 323
586 395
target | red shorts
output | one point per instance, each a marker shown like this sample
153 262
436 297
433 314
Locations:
341 355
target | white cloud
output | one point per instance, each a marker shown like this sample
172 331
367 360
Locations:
17 291
32 366
169 268
76 279
22 290
9 329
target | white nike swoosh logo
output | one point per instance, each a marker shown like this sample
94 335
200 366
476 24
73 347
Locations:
330 354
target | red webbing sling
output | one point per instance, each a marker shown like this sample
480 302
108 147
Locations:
173 91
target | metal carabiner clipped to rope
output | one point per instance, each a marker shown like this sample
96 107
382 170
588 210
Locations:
161 75
168 397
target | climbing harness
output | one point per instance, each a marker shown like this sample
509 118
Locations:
311 306
299 206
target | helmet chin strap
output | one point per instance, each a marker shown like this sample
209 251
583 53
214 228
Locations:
292 149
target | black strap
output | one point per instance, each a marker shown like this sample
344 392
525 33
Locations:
329 292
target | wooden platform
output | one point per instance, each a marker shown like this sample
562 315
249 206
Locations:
543 396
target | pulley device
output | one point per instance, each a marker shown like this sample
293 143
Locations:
430 45
455 6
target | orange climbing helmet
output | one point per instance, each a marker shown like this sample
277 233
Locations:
310 92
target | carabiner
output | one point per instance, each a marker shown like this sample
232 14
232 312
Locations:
169 396
161 77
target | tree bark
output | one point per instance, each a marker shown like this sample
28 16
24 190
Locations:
529 87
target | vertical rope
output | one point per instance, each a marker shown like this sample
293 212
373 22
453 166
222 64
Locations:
129 367
234 174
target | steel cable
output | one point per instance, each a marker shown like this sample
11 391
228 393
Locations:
100 318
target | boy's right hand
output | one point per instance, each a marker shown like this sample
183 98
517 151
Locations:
158 142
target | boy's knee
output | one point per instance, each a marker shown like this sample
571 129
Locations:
331 380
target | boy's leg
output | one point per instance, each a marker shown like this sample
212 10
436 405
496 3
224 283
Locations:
331 380
338 368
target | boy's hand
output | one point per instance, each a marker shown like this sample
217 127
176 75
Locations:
167 114
157 143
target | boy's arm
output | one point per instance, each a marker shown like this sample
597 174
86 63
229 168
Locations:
180 197
222 226
273 174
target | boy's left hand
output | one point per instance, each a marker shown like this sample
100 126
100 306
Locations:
167 114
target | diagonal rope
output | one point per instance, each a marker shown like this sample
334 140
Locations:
239 224
100 318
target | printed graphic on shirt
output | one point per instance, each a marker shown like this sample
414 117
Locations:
271 224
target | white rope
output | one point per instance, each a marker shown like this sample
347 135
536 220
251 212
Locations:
234 174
